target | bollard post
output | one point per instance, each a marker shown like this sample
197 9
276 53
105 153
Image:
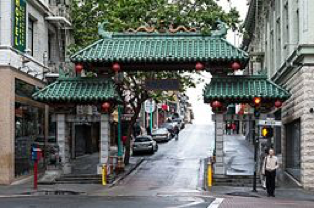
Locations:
104 175
209 175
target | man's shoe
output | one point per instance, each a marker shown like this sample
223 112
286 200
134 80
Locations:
268 195
273 195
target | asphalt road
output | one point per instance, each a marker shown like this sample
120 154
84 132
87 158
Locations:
173 170
170 178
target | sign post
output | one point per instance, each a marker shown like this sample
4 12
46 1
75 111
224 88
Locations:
150 106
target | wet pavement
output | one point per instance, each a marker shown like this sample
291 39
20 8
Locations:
239 155
173 170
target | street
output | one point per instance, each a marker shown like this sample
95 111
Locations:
170 178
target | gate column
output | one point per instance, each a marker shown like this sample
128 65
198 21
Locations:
104 142
219 165
63 142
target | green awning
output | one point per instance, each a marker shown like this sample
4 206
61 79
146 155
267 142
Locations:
78 90
242 89
160 47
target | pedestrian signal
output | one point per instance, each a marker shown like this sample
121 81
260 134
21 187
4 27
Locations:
267 132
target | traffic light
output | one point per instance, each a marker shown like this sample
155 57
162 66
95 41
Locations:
257 113
267 132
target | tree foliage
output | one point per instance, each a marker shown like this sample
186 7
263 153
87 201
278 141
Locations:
125 14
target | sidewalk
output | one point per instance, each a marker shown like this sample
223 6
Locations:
239 155
26 188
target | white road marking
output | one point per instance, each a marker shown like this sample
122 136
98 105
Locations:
186 205
216 203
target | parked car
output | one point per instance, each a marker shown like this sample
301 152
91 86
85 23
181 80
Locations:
169 127
161 134
144 143
180 122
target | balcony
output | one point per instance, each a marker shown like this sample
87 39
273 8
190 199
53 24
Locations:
60 10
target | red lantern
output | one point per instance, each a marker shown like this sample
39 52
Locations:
278 104
78 68
257 101
235 66
216 104
105 106
199 66
116 67
164 107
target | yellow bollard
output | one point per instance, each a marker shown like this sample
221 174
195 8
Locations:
104 175
209 175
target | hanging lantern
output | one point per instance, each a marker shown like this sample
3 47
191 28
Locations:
199 66
105 106
78 68
235 66
257 101
116 67
216 104
164 107
278 104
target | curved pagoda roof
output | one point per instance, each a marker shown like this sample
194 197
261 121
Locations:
78 90
152 47
242 89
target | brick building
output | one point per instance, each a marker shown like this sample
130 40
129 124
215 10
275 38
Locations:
33 38
279 39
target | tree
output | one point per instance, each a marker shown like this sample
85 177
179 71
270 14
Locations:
125 14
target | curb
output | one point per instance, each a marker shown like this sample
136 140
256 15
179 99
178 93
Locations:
125 174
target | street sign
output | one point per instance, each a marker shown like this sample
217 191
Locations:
162 84
150 106
269 122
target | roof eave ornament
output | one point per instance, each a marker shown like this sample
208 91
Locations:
221 29
102 32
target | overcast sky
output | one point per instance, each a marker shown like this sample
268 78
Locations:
202 111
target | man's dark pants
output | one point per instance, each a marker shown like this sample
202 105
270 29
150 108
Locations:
270 182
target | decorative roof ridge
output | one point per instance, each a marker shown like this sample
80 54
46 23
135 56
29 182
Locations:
256 76
84 79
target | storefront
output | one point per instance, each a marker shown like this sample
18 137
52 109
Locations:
23 123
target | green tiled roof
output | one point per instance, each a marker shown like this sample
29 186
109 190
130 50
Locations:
243 89
156 47
78 90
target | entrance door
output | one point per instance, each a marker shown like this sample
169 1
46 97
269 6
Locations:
82 139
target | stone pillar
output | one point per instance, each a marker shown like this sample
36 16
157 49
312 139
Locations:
104 142
63 142
241 127
219 165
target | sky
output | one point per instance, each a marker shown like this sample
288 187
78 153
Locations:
202 111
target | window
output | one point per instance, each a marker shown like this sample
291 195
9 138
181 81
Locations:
49 47
30 34
286 29
293 148
278 44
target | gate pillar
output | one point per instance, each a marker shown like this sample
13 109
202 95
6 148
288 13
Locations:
63 133
219 165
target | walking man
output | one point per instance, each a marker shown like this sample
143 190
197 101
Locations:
270 166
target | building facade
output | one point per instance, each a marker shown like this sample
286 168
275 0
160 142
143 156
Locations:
279 38
33 38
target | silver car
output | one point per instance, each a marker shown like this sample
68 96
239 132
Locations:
161 134
144 143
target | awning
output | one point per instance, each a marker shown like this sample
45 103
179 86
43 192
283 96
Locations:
242 89
78 90
160 47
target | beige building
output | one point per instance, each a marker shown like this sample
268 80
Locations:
33 37
280 40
